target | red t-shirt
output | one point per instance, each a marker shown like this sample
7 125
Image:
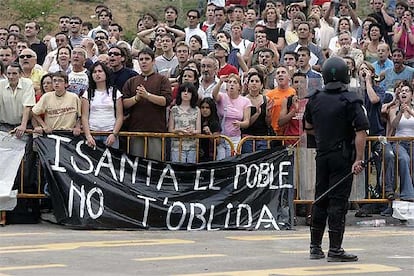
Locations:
242 3
227 70
320 2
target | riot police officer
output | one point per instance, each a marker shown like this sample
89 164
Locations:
336 117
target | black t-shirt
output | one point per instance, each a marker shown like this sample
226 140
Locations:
41 51
274 34
207 145
259 127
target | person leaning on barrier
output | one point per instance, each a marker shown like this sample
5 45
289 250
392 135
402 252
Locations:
102 108
337 119
372 95
402 120
61 109
259 114
147 96
17 97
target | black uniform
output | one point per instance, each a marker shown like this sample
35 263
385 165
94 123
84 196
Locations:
335 115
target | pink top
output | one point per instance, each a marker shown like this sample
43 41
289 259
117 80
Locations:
404 43
231 110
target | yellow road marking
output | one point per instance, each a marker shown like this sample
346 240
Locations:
7 268
76 245
180 257
307 251
25 234
276 236
307 271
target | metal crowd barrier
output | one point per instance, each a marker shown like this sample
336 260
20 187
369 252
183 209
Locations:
303 177
363 184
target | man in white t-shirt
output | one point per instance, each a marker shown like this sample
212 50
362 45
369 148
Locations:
166 62
78 77
193 23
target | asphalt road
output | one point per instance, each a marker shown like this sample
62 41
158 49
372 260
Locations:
48 249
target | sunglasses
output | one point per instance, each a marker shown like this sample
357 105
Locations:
114 54
100 38
25 56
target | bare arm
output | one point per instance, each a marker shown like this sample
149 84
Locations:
119 116
397 35
246 118
285 114
328 13
216 89
143 35
85 122
387 18
395 116
42 123
280 43
198 123
272 46
373 97
353 16
25 118
171 127
179 35
248 55
242 64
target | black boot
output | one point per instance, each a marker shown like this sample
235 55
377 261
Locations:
336 252
316 252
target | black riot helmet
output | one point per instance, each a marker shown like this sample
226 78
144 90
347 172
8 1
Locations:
335 73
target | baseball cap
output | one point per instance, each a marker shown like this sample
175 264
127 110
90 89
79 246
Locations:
222 45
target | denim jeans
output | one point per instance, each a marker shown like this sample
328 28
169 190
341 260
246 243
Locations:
102 138
187 156
259 145
223 148
389 168
405 164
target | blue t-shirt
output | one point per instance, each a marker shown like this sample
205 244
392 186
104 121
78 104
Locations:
391 77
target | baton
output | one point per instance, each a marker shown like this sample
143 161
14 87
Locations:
383 141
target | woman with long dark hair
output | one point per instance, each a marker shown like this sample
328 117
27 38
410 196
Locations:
210 125
258 125
402 120
102 108
185 119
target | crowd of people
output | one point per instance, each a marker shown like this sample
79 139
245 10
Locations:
245 70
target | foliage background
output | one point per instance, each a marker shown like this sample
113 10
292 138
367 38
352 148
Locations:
125 12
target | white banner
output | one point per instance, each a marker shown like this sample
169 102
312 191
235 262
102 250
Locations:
11 154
